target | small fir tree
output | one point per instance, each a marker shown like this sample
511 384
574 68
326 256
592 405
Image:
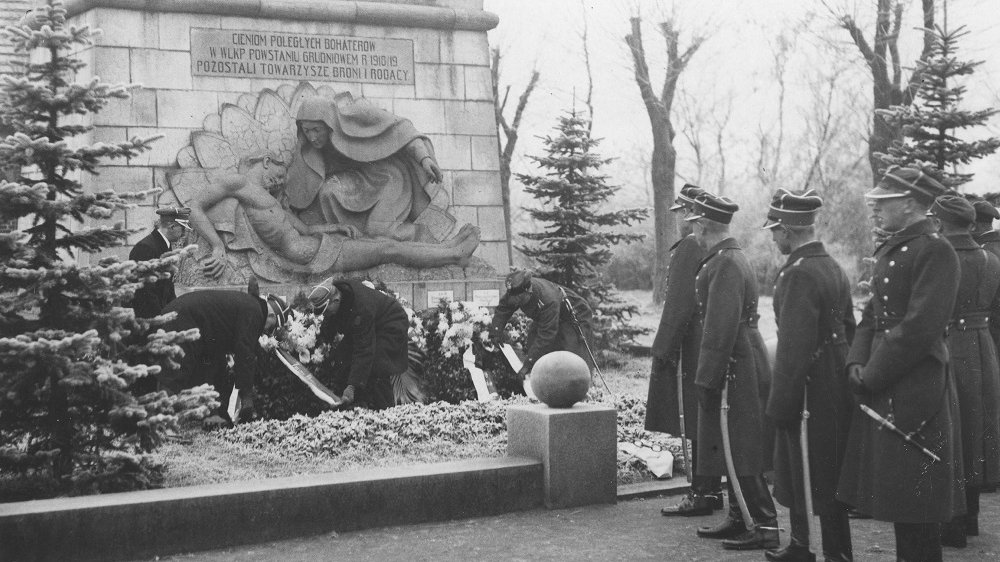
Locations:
576 244
930 125
69 350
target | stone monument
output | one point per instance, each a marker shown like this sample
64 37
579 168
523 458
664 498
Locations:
311 138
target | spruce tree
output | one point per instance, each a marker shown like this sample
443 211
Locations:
69 349
573 198
930 126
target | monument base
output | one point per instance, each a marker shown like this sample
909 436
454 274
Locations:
577 447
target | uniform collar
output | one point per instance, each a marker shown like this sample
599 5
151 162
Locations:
726 244
812 249
988 236
166 242
922 227
963 241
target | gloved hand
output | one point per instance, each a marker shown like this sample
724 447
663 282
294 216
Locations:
855 380
709 398
348 396
247 411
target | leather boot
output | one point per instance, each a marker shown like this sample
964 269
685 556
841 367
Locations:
791 553
691 506
754 540
729 528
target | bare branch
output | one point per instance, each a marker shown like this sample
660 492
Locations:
590 74
925 53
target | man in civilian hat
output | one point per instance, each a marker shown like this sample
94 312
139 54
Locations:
973 360
675 354
230 322
982 229
171 225
731 362
373 349
552 327
814 314
897 367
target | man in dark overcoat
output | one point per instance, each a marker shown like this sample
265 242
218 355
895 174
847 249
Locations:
982 229
230 322
374 345
675 354
552 327
730 362
973 360
815 319
897 366
171 226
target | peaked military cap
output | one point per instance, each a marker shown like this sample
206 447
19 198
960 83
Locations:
713 207
907 182
985 211
954 209
518 281
278 307
686 197
793 209
180 215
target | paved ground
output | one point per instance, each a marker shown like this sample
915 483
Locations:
630 530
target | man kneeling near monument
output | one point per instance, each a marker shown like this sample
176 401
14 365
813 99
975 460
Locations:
230 322
373 349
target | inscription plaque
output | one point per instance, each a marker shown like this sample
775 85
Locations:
272 54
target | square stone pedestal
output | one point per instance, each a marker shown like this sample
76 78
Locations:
577 447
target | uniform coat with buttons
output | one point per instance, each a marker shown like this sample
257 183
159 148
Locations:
905 370
150 299
974 359
815 318
675 348
726 289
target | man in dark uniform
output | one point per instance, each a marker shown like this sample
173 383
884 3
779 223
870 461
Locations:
675 354
373 349
171 226
731 365
897 366
815 318
982 229
552 328
973 360
230 322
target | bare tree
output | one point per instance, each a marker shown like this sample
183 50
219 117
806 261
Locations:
664 157
510 131
586 61
883 59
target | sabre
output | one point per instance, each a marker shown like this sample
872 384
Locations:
680 410
806 474
892 427
727 449
579 330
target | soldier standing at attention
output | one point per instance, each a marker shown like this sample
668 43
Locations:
815 318
973 360
171 226
731 366
675 354
898 367
982 229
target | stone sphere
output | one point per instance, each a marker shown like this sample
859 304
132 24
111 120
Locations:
560 379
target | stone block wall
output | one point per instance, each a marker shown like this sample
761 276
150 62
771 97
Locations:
450 99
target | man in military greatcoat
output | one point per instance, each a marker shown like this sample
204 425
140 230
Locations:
229 323
171 226
982 229
897 367
731 364
552 327
973 360
374 345
815 318
675 354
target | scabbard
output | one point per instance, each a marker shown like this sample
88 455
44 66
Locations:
689 468
806 473
727 450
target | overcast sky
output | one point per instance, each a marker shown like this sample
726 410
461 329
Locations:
734 63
